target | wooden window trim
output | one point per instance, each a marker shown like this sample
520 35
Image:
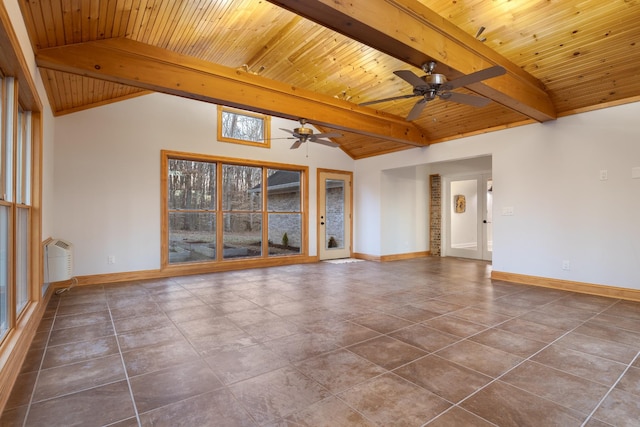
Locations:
22 326
221 264
3 141
266 141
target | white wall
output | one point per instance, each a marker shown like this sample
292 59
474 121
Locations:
107 174
406 205
562 210
549 173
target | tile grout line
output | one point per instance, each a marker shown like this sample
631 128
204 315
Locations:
428 353
44 353
613 386
292 364
202 358
124 366
529 358
268 309
487 328
461 339
513 367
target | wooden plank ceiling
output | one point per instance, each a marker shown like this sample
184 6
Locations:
321 59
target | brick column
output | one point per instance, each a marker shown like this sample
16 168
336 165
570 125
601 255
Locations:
435 215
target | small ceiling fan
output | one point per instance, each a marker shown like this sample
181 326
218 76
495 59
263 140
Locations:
433 85
303 134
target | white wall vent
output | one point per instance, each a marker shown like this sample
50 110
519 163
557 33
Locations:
59 260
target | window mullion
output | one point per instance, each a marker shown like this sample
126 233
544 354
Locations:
265 214
219 213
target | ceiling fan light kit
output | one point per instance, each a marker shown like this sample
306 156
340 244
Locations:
433 85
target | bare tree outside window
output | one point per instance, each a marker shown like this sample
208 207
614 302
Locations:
217 210
242 211
243 127
192 210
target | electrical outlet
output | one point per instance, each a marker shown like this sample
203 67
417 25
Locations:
111 259
604 175
566 265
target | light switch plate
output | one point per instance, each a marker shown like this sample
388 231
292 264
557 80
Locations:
507 211
635 172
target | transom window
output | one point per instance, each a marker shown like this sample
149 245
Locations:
219 210
243 127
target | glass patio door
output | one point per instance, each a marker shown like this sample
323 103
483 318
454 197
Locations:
334 215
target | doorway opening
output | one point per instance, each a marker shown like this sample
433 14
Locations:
467 233
467 213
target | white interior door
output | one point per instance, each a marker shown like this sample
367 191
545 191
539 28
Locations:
468 216
334 215
487 221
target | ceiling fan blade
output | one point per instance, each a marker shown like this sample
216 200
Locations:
326 142
296 144
416 110
475 77
463 98
410 78
393 98
325 135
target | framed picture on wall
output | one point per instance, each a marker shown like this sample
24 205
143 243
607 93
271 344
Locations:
460 203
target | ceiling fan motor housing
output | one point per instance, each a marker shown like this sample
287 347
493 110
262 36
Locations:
435 79
433 84
303 133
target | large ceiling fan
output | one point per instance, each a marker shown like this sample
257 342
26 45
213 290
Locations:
433 85
303 134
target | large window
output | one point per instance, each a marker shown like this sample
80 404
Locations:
7 108
192 210
221 209
242 211
243 127
4 269
15 204
23 201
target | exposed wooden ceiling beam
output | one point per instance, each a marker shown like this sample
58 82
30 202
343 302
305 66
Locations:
411 32
149 67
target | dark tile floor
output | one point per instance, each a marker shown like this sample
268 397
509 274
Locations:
428 341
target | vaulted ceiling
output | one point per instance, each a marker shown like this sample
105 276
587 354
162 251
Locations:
320 59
